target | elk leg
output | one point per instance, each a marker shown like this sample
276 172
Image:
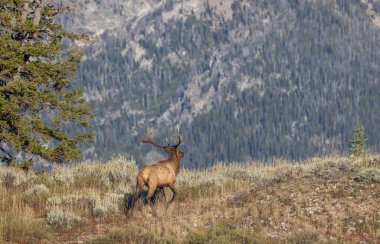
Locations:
130 203
155 195
163 192
151 192
158 194
149 197
174 194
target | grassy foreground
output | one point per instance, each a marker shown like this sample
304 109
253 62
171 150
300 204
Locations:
334 199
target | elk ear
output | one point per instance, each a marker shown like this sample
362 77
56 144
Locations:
180 154
167 150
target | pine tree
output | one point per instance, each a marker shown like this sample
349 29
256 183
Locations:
37 98
358 143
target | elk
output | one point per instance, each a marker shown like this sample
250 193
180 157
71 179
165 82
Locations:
159 175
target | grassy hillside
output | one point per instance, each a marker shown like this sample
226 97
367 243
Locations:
331 199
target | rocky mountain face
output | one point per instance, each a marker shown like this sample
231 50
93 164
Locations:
243 79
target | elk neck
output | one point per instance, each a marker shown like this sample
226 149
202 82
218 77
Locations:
174 162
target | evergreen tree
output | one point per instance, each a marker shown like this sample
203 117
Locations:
358 143
37 98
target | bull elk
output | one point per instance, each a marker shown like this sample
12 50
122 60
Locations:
161 174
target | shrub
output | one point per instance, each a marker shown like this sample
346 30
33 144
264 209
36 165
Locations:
223 233
78 201
24 228
9 180
26 165
108 205
58 219
93 203
368 175
36 196
12 177
62 178
131 234
37 190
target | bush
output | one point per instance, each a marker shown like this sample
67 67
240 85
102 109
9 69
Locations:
11 177
17 228
368 175
9 180
108 205
58 219
36 196
37 190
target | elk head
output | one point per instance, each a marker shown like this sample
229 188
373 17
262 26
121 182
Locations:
172 151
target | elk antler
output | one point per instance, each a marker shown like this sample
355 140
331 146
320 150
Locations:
149 141
179 137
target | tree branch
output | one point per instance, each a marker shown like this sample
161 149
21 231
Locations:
8 155
37 13
67 8
24 12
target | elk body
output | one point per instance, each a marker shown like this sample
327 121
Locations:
161 174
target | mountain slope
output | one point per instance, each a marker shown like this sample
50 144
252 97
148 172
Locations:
244 80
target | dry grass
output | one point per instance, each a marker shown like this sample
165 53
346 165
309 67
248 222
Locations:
332 199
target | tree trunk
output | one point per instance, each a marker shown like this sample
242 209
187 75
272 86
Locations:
24 13
37 13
